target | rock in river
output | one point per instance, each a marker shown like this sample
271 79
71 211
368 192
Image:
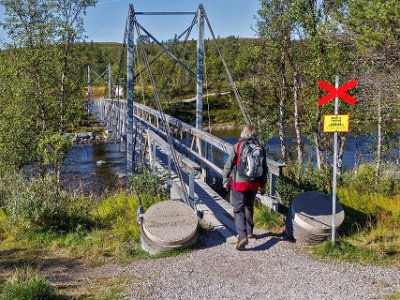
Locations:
100 162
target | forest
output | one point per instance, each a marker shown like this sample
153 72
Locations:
299 44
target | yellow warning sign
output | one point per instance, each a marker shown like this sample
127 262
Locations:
339 123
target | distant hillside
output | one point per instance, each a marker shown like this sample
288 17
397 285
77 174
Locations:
174 83
180 85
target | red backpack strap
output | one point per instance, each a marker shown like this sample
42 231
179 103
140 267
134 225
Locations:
238 153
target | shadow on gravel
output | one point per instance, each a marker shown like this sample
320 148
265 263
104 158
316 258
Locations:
209 238
275 238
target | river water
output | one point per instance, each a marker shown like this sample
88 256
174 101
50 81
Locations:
359 148
82 172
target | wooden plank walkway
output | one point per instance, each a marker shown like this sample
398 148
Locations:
217 212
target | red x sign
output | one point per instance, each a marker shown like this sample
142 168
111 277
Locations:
339 92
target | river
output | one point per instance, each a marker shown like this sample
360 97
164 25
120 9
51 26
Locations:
82 172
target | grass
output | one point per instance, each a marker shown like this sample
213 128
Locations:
394 296
113 235
93 232
96 92
371 230
26 285
270 220
101 288
84 227
370 233
343 250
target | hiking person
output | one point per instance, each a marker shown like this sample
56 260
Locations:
244 173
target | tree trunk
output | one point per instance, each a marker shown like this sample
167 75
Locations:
342 145
62 101
317 142
57 170
379 137
67 50
282 96
39 94
42 117
296 89
318 152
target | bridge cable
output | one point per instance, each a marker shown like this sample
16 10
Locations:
141 153
140 78
208 110
140 75
208 103
117 84
183 47
122 55
165 123
174 41
235 90
98 76
184 66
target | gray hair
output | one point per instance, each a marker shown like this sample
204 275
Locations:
248 130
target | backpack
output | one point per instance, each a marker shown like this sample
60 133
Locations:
251 159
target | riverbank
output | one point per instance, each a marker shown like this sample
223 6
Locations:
88 248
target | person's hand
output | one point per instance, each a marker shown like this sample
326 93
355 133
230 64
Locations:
227 185
262 190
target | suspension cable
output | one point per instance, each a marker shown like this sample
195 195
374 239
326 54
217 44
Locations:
208 103
117 84
122 55
164 122
235 90
183 47
140 75
174 41
167 51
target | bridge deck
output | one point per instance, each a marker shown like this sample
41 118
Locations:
218 213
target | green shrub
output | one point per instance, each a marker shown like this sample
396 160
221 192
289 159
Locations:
287 190
117 208
35 203
38 215
151 187
10 184
297 179
26 285
40 203
364 179
361 178
265 218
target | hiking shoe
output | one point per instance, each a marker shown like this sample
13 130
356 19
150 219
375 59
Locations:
241 244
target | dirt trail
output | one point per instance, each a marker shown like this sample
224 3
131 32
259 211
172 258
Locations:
272 268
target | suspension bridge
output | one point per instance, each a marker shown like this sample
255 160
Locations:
168 145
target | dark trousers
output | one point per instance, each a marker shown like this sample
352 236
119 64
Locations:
243 209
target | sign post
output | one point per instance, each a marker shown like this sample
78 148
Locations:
334 167
336 123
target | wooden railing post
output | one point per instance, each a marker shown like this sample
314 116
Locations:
191 185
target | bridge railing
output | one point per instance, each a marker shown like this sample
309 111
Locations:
182 133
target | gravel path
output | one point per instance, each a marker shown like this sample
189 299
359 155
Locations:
271 268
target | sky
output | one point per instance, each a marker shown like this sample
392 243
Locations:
106 21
